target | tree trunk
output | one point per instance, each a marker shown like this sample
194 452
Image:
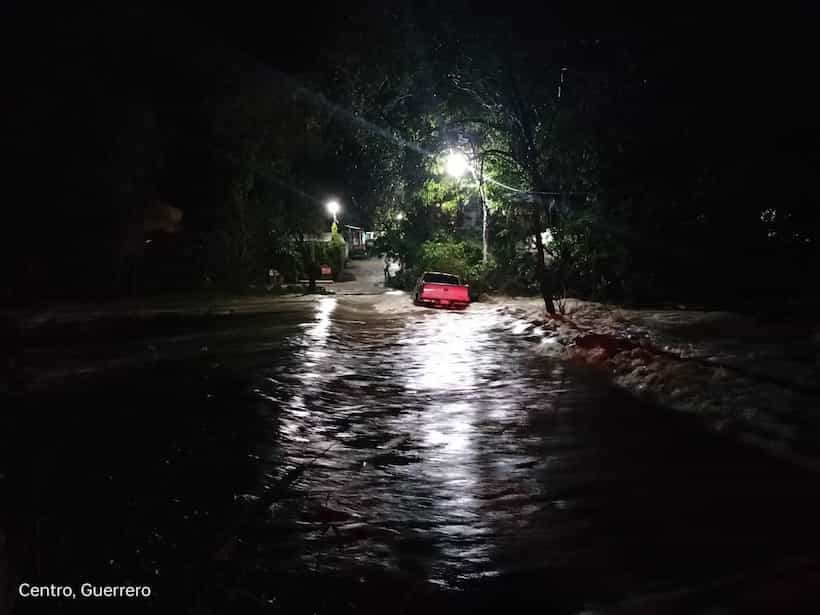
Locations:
240 232
484 246
483 197
311 266
544 283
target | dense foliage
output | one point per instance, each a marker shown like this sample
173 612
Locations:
165 151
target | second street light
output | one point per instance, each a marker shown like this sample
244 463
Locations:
333 208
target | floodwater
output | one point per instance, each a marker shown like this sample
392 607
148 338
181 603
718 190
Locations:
327 460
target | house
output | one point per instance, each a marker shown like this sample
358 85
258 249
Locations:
355 239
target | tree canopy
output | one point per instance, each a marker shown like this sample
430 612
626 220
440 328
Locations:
661 158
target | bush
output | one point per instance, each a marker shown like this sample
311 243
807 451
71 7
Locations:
318 253
336 255
516 276
482 277
456 257
403 280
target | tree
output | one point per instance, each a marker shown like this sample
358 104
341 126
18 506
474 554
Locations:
514 119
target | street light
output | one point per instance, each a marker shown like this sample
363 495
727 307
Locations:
456 164
400 216
333 208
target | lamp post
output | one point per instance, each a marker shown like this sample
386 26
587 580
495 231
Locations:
456 165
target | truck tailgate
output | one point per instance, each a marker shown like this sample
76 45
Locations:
445 293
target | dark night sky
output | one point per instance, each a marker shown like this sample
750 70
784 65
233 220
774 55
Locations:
740 62
754 65
729 93
745 78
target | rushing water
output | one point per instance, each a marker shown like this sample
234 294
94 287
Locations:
417 432
330 460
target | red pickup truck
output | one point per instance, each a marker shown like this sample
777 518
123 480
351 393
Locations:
441 290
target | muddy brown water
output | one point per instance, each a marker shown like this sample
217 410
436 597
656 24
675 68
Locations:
326 460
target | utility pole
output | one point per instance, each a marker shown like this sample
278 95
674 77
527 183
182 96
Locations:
561 82
483 198
478 155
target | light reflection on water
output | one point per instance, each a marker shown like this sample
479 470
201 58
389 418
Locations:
406 437
383 452
318 331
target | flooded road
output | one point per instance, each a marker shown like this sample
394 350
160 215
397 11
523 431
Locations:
328 460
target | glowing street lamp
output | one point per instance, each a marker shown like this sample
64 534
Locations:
400 216
333 208
456 164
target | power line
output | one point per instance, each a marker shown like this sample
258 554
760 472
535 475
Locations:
544 193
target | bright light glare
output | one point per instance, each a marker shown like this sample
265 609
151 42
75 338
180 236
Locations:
445 354
399 216
546 237
456 164
324 309
333 207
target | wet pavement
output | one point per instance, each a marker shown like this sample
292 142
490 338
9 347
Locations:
324 459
